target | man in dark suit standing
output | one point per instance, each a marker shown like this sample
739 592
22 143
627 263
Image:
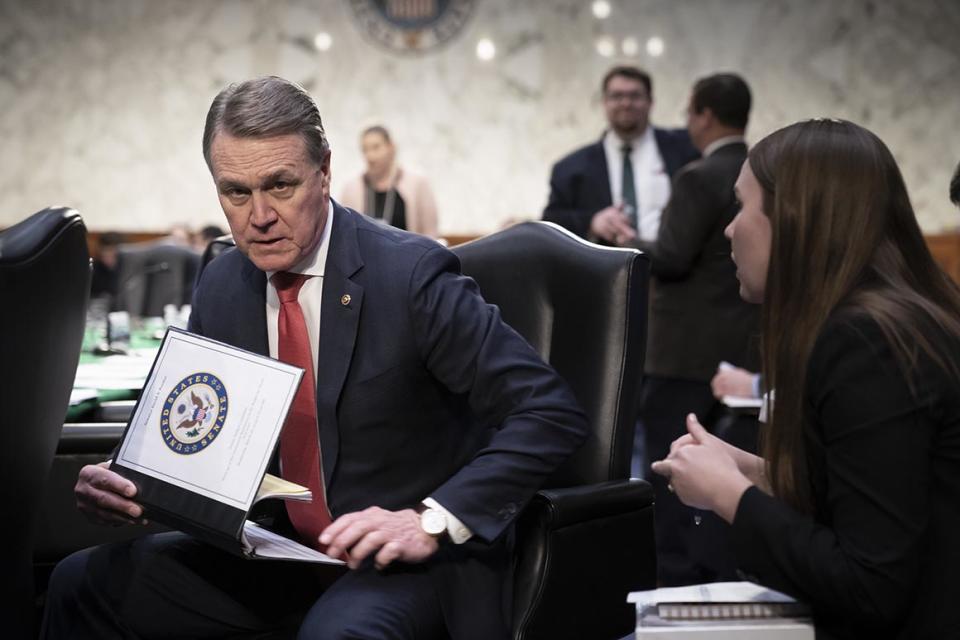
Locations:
697 318
613 191
430 424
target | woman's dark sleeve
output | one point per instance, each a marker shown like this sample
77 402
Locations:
862 562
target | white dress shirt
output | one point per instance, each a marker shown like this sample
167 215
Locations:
310 297
650 179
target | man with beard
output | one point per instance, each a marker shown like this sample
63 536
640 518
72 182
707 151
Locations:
613 191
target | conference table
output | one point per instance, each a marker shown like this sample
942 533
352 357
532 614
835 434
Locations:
108 381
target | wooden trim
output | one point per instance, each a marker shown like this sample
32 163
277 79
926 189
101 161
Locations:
945 248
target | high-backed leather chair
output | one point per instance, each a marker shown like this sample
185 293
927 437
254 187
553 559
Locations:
587 539
150 276
44 288
215 248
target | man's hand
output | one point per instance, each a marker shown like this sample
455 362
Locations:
392 535
612 225
105 497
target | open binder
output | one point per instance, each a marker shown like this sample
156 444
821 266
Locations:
200 439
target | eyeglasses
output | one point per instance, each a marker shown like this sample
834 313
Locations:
630 96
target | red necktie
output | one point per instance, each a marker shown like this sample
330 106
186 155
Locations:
299 441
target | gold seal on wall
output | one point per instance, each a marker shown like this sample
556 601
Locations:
411 26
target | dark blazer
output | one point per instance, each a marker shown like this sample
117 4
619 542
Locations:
878 557
422 391
580 182
697 317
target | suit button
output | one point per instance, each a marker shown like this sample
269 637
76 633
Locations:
508 511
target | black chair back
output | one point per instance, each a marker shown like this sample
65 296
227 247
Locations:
151 276
45 286
587 540
215 248
583 307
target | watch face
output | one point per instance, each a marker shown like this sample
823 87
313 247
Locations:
433 522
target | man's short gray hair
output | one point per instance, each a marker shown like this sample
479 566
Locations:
266 107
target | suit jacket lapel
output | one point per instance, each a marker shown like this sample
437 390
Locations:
250 320
600 172
339 320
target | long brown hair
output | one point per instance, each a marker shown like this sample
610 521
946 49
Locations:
843 235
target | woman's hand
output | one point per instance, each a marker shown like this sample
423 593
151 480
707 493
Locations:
703 471
752 466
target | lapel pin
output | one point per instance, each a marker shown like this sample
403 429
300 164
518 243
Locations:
345 299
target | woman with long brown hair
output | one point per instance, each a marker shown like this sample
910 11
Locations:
855 505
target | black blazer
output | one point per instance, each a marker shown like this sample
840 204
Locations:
878 558
697 317
580 182
422 391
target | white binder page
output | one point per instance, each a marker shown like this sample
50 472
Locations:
209 417
264 543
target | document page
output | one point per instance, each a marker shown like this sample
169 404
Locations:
209 417
710 592
267 544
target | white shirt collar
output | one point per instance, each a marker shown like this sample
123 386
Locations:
314 263
722 142
613 142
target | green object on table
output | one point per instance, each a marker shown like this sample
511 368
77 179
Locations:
81 411
140 338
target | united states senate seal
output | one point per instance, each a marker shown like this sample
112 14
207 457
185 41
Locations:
193 413
411 26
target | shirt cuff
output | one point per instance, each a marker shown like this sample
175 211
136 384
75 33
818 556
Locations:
458 532
756 385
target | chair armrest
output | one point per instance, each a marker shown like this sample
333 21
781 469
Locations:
583 549
563 507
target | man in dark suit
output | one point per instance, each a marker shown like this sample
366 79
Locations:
437 422
697 318
614 190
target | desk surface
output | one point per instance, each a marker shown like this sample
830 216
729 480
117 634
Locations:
107 378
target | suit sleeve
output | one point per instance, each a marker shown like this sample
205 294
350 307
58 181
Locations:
859 559
685 226
536 421
561 207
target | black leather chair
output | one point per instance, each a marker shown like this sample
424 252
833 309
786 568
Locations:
215 248
44 286
586 540
150 276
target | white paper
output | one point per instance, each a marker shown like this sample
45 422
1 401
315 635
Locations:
208 418
267 544
711 592
741 402
82 395
115 372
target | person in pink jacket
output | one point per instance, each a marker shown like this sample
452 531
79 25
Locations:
386 191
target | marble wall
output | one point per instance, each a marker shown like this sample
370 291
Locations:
102 101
